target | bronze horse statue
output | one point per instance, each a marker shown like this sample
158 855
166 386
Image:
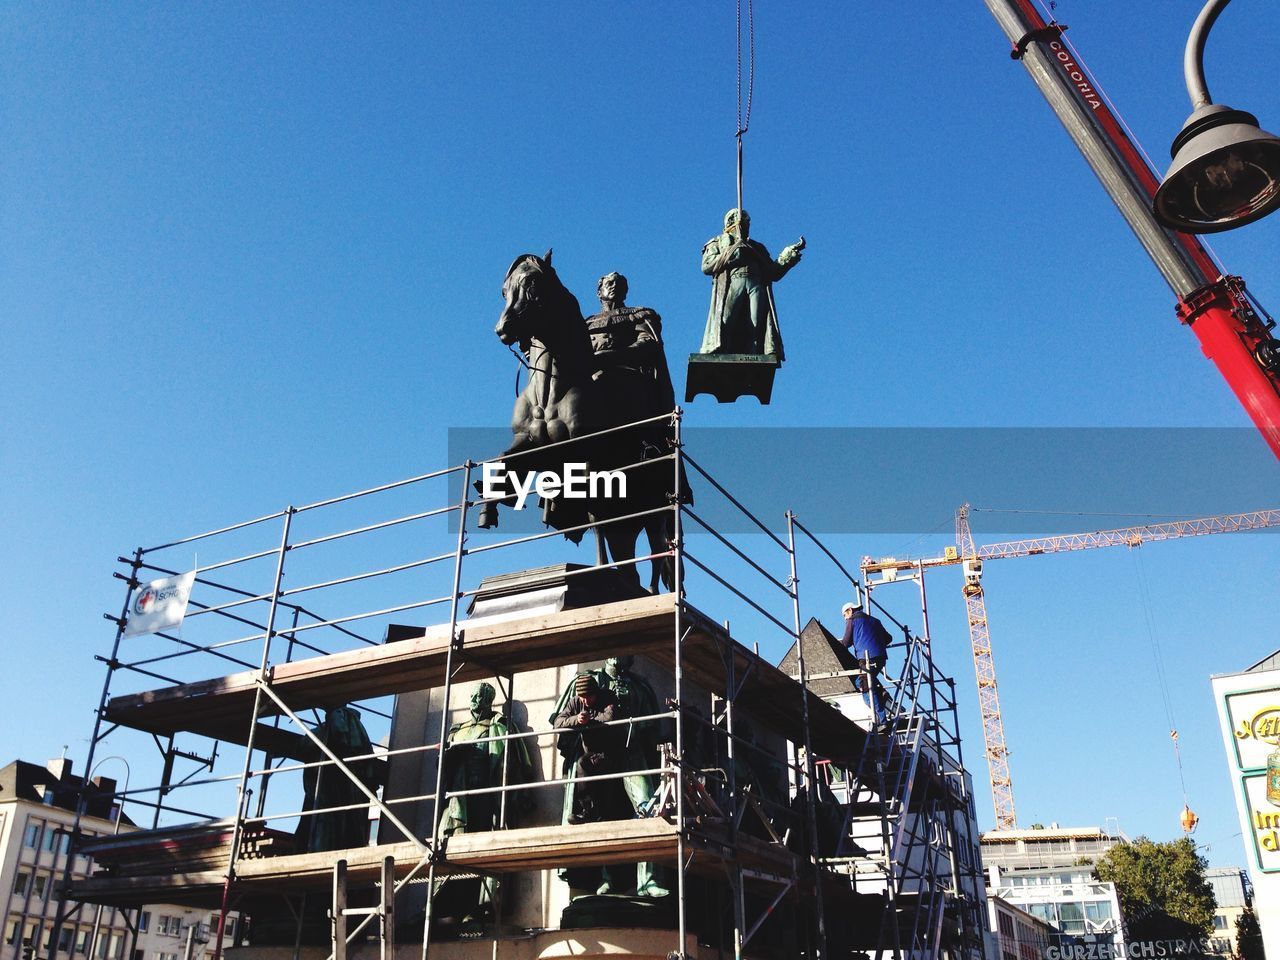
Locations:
563 401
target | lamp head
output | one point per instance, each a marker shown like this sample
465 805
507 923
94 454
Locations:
1225 173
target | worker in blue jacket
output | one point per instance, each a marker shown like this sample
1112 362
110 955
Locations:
869 641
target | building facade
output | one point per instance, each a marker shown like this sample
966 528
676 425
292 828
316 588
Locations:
1047 873
1249 715
1051 846
1234 894
37 815
1018 934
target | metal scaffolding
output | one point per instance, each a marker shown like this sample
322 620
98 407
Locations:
704 819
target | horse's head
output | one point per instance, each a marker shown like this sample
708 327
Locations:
531 285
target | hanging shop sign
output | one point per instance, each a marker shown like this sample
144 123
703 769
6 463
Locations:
159 605
1255 726
1249 717
1264 821
1133 950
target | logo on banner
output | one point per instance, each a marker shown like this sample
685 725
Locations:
160 605
1263 725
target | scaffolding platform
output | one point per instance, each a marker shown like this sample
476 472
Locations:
220 707
650 839
876 855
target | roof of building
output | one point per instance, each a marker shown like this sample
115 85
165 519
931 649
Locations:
1270 662
1052 832
54 785
823 653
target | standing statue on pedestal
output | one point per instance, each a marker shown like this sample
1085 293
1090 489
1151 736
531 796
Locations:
742 346
326 786
635 748
474 760
742 318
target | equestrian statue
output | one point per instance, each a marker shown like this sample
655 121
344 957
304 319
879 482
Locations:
586 376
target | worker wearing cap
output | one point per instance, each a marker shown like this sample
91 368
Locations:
868 640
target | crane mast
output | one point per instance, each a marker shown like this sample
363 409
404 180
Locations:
984 668
970 557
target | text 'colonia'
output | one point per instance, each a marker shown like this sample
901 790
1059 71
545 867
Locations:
576 483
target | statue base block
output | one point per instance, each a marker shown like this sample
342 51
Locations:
612 911
728 376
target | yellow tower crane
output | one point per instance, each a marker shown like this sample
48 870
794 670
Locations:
971 557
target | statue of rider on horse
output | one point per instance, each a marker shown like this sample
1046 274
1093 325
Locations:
588 375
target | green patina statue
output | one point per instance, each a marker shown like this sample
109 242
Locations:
743 319
621 695
325 786
474 760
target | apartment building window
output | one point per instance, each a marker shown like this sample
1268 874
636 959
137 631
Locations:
170 926
32 836
1219 922
11 930
1006 925
64 939
82 940
1071 917
117 946
41 883
21 883
144 921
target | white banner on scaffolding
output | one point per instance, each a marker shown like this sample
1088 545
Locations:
159 605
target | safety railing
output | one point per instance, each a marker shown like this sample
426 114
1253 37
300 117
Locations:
344 573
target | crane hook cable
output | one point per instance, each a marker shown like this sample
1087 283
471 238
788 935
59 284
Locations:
1161 673
744 120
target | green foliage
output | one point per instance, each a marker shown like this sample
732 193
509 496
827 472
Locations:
1249 936
1160 876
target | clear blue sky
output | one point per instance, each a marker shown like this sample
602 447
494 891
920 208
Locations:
250 255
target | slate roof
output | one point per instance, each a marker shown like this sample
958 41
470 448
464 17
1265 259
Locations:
21 780
823 653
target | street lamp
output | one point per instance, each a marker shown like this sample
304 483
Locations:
119 812
1226 170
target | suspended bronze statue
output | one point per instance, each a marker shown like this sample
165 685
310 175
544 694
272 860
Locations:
742 345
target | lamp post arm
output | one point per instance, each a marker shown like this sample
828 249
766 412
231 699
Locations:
1193 57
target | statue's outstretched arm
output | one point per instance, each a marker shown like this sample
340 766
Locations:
788 258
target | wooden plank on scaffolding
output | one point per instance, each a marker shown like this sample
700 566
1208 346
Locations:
200 888
501 851
220 707
216 706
